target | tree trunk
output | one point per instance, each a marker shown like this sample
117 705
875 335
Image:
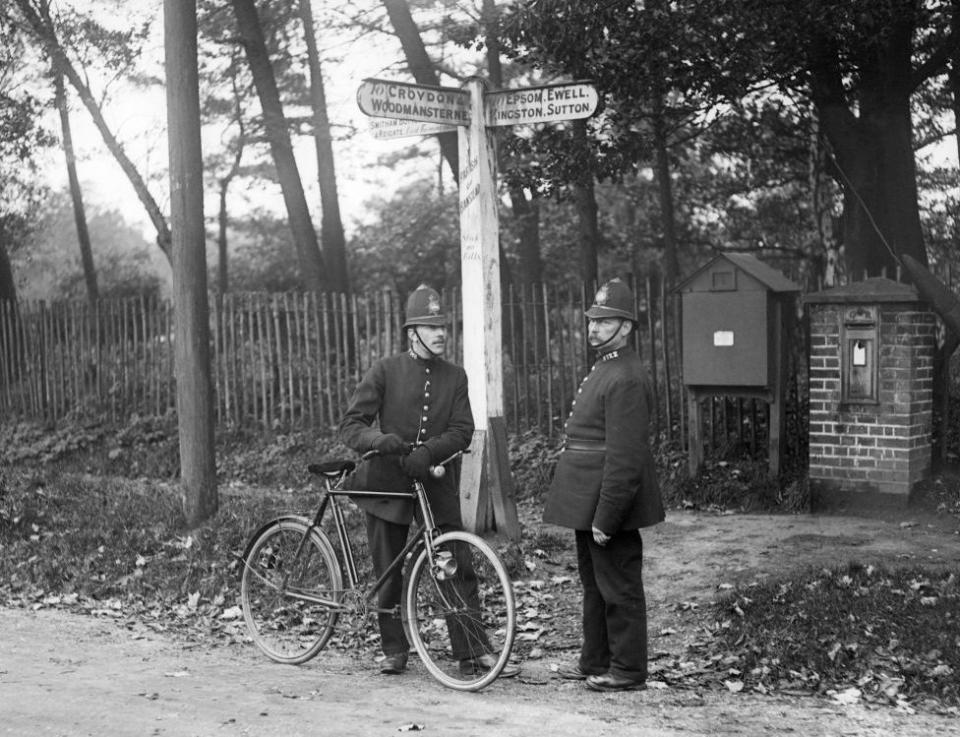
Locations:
671 264
76 194
526 213
191 309
313 271
8 287
954 79
11 331
422 69
331 225
223 220
873 154
223 257
45 32
588 232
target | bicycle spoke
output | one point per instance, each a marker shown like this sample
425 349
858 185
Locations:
283 593
460 608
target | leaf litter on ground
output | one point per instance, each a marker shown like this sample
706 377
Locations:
77 534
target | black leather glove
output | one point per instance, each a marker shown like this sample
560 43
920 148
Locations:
417 464
390 444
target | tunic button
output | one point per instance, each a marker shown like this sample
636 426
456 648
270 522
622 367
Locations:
427 370
424 418
426 395
426 407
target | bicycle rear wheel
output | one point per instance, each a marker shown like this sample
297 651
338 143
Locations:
282 593
459 607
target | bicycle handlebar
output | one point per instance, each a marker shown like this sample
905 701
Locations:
438 470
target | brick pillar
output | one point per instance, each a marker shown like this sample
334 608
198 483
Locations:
870 451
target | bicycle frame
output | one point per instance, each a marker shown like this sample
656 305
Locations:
331 496
296 584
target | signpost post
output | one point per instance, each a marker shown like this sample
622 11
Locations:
486 487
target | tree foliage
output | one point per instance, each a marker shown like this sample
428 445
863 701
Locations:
850 71
22 138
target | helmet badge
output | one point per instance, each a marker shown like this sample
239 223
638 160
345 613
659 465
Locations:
601 298
433 304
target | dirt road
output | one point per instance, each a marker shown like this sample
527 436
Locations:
65 674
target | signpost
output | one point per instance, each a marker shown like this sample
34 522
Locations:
444 105
486 487
541 104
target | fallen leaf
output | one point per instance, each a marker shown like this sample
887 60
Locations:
734 686
847 696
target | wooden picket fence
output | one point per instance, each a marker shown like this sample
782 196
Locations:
292 360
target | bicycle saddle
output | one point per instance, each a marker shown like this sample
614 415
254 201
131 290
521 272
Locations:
331 468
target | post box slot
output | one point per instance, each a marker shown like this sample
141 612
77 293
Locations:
858 359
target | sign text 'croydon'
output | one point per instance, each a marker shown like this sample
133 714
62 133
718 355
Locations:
387 99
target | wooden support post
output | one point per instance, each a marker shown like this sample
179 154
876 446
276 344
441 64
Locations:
486 475
695 432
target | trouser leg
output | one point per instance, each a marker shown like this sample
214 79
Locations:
386 540
595 651
468 639
617 568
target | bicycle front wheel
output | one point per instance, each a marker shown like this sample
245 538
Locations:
460 606
289 598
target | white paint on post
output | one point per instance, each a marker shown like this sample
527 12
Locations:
480 264
482 344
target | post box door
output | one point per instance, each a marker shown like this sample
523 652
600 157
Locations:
726 339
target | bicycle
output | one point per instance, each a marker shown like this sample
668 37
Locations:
292 591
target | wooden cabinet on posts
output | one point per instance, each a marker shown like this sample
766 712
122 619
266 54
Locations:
736 331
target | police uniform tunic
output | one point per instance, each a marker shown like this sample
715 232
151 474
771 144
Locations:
605 476
424 401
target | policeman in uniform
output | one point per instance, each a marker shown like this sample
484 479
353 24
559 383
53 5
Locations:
605 488
412 400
